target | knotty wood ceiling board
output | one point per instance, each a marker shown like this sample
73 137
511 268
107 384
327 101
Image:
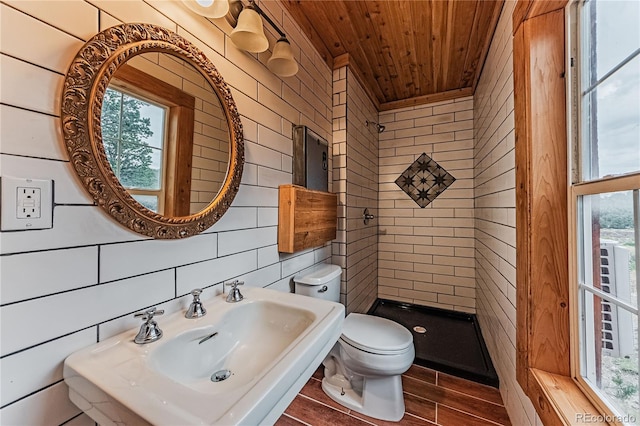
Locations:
405 52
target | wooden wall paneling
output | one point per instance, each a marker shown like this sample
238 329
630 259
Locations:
549 179
542 264
523 208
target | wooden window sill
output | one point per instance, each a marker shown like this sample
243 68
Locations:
562 401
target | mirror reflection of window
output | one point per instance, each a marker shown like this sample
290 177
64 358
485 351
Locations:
134 137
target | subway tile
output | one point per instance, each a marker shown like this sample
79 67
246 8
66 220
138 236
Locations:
81 308
134 12
72 226
231 242
54 50
41 366
56 271
49 406
45 87
75 17
236 218
252 196
207 273
297 263
123 260
31 134
68 189
268 256
272 178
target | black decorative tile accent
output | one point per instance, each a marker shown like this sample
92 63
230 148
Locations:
424 180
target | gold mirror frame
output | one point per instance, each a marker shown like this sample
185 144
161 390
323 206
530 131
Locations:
84 87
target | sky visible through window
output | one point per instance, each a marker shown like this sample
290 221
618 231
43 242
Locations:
617 99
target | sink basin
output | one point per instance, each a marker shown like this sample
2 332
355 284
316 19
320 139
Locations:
242 363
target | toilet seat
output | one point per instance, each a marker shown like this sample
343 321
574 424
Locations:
375 335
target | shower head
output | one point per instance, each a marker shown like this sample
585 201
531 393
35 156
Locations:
379 127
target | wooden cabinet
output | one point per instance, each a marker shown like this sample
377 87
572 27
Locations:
306 218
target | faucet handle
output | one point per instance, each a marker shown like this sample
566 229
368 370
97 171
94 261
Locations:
234 294
196 310
149 330
234 283
148 314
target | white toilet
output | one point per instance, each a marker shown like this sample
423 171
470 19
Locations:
362 371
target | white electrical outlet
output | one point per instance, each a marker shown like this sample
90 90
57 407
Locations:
29 203
26 204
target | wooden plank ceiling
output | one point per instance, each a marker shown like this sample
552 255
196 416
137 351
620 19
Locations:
403 52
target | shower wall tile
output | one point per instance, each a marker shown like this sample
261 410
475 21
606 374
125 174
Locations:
62 298
355 174
417 257
495 240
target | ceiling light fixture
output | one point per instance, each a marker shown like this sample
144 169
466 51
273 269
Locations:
208 8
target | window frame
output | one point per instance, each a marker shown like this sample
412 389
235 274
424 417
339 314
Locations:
578 187
167 143
544 343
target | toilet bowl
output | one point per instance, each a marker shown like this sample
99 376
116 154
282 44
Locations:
363 369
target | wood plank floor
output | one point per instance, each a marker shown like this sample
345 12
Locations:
430 398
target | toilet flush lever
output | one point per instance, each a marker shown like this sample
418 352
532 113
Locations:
323 289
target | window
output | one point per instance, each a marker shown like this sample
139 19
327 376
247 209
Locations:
605 197
133 134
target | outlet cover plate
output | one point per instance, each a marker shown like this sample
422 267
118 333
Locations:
10 219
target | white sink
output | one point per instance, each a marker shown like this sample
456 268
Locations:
264 348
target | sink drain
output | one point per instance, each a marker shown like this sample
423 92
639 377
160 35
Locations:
419 329
221 375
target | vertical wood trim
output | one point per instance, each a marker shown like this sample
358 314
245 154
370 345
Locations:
184 159
548 351
523 208
542 337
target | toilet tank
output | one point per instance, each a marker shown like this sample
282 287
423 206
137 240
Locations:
323 282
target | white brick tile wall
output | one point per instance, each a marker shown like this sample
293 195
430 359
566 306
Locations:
355 179
418 246
56 277
495 241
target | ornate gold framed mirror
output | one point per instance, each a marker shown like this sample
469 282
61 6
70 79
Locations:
152 131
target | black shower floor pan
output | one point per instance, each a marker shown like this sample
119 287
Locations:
447 341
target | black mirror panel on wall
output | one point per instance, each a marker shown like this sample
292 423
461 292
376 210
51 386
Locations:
310 159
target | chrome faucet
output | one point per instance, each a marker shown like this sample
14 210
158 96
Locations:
234 294
196 310
149 330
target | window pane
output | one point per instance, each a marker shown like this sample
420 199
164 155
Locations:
149 201
133 138
612 118
611 32
609 332
610 352
140 167
609 244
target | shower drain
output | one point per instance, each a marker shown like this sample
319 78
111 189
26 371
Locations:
419 329
221 375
